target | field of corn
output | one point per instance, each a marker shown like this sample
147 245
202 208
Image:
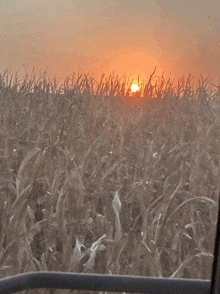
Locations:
88 185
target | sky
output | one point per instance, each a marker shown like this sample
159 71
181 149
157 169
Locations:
115 36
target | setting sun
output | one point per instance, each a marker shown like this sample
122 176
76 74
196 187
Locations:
134 88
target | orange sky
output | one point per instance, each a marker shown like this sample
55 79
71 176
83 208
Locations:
124 36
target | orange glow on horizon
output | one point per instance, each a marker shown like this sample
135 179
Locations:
99 40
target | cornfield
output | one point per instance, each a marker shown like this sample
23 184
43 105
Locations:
92 184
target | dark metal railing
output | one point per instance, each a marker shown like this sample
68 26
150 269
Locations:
60 280
114 283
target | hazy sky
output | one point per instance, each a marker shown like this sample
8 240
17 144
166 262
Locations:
125 36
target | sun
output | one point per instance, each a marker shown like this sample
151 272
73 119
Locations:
134 87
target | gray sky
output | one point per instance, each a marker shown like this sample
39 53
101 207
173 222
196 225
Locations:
124 36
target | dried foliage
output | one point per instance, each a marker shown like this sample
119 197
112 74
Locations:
91 184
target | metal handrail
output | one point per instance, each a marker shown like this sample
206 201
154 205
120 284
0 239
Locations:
95 282
116 283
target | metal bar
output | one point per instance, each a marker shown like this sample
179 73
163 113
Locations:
112 283
216 262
